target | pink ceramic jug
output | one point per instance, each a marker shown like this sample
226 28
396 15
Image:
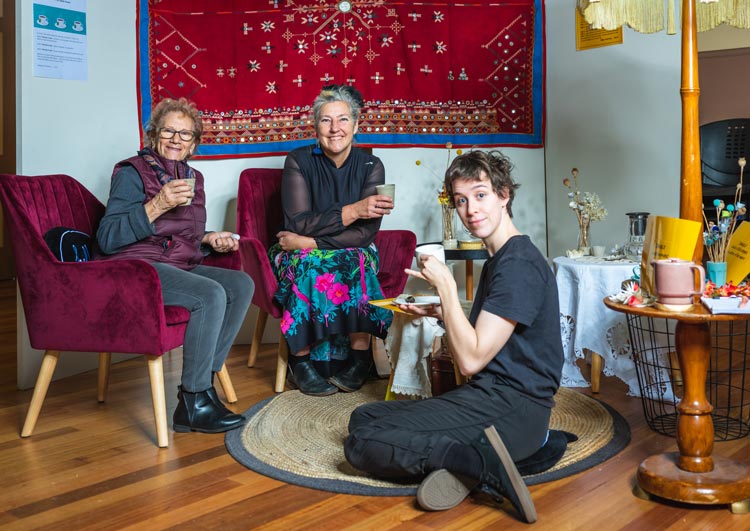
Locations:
674 282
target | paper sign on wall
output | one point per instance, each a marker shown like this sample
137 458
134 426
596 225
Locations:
60 48
667 238
738 254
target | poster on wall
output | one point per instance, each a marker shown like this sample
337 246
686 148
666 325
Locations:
588 38
430 72
60 48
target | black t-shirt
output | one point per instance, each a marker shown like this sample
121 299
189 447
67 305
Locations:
518 284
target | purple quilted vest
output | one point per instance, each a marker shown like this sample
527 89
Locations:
178 232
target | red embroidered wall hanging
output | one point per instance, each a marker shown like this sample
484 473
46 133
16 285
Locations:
431 72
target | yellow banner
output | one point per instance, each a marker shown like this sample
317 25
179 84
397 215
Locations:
738 254
667 238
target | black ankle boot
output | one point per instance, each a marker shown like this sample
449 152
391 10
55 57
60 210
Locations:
204 412
355 373
303 376
214 397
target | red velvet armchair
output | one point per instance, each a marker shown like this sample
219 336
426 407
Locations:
259 218
99 306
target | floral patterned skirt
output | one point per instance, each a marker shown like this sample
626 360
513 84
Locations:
325 294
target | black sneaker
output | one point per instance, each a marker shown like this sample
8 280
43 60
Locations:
500 477
442 490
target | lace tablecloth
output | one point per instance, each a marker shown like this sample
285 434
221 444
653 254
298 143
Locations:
585 322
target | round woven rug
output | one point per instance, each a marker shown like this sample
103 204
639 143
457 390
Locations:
294 438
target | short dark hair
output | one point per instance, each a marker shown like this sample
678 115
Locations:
162 109
474 164
346 93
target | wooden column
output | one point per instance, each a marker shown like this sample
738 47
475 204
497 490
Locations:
691 187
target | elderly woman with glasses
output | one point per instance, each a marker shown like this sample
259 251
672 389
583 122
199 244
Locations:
325 260
157 212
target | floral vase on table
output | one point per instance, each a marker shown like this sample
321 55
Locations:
449 227
447 209
583 235
587 207
718 232
717 272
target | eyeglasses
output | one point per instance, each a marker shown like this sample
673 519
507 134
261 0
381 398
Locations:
185 135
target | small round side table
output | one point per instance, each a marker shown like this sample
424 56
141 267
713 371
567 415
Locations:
692 475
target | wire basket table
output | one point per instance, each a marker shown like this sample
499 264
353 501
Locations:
660 378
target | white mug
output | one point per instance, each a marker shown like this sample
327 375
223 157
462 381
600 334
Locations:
430 249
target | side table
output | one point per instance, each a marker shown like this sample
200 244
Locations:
692 475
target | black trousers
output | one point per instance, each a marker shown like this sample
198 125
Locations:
407 439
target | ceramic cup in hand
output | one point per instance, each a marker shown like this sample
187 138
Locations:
191 182
430 249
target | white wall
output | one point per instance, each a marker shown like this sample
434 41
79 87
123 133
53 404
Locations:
83 127
614 113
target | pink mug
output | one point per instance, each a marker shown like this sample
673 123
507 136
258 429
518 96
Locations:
674 282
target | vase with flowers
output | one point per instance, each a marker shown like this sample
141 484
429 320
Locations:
587 207
718 231
448 211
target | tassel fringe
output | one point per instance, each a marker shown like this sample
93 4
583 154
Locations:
647 16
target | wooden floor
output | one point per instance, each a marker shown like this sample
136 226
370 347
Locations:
96 466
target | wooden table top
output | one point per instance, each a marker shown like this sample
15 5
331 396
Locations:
697 314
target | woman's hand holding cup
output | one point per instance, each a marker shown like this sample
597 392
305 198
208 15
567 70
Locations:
375 206
175 193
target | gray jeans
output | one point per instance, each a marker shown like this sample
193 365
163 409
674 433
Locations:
218 300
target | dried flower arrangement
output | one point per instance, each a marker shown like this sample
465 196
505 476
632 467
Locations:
718 233
443 199
587 207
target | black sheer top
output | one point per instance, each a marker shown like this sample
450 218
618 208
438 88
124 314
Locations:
314 190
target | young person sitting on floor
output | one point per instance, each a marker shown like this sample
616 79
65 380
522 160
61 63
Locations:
469 438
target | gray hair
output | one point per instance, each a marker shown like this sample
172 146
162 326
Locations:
160 112
346 93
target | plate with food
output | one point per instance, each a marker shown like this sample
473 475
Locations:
417 300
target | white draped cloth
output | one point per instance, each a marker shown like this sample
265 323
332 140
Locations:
409 345
586 323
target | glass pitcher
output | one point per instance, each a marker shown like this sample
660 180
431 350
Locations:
633 248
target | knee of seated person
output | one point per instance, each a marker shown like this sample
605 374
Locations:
248 286
357 453
351 451
214 298
358 418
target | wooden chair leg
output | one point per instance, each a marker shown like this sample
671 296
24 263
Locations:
105 360
282 359
156 375
49 362
596 371
260 326
226 384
